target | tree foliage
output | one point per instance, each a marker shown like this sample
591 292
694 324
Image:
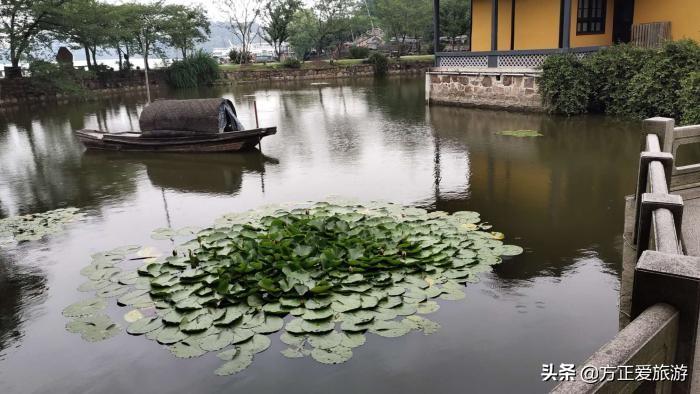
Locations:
184 27
277 16
404 18
22 22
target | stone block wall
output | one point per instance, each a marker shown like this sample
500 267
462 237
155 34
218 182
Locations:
358 70
493 89
15 91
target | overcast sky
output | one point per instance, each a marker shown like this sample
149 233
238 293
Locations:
212 7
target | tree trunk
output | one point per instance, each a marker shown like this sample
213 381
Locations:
184 53
119 52
94 59
87 57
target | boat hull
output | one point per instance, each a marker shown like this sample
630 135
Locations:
222 142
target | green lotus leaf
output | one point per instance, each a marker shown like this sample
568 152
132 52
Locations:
217 341
169 335
257 344
238 363
142 326
326 340
317 314
228 355
133 297
336 355
294 326
316 326
93 328
295 352
511 250
232 314
242 334
186 348
389 329
453 295
396 291
269 325
290 302
427 307
292 340
346 303
84 308
318 302
197 323
352 339
420 323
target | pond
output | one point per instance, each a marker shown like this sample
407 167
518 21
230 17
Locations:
560 196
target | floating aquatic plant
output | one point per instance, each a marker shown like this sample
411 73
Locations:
34 226
520 133
326 274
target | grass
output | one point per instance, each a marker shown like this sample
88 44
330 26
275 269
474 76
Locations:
315 64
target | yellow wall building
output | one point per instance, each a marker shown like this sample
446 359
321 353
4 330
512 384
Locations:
538 24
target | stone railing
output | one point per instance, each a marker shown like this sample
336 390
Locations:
682 177
666 289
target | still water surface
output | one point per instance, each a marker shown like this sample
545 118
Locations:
559 196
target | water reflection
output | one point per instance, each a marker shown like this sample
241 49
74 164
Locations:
21 288
208 173
553 194
560 196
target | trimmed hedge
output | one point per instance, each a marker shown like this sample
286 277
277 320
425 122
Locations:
565 86
623 80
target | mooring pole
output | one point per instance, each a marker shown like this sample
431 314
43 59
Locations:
145 71
255 107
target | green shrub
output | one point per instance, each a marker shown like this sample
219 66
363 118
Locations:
198 69
380 63
359 52
654 91
291 62
689 99
51 77
565 85
240 57
611 69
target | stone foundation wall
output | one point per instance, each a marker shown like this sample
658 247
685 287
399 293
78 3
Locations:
492 89
16 91
287 74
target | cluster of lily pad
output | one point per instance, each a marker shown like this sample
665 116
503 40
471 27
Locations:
34 226
520 133
326 274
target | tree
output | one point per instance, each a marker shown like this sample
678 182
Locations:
455 17
83 22
403 18
242 15
21 23
184 26
303 32
147 29
277 16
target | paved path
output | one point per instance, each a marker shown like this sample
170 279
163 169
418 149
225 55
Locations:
691 226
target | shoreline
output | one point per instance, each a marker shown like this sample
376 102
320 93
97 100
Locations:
20 91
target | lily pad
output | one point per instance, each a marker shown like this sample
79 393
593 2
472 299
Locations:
336 355
237 364
84 308
93 328
142 326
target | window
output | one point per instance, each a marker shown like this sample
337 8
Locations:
591 17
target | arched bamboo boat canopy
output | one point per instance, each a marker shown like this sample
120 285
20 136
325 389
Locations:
189 117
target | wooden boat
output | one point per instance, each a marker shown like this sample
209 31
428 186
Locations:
202 125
